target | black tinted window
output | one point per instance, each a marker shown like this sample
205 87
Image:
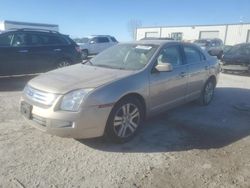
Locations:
113 39
34 40
46 39
5 39
102 39
245 50
20 39
170 55
192 54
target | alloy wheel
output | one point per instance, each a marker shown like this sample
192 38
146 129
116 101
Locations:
126 120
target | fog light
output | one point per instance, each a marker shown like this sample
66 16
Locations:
61 124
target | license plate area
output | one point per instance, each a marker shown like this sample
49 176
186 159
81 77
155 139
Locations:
26 110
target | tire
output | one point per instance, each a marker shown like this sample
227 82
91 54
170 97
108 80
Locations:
219 56
124 120
85 54
63 63
207 93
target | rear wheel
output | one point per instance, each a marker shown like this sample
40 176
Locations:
124 120
207 93
63 63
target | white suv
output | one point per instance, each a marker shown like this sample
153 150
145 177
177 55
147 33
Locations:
95 44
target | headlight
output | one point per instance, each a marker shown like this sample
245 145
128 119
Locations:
72 100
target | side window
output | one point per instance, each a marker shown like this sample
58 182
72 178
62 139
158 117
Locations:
34 40
56 40
20 39
95 40
48 39
170 54
113 39
192 54
5 40
203 57
103 40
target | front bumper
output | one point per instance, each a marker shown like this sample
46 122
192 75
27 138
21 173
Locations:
89 122
235 67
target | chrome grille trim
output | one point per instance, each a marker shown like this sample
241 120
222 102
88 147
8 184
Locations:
39 96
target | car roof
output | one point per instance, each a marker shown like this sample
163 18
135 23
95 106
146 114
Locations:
157 42
91 36
208 39
30 30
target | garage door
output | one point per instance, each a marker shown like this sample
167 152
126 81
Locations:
151 34
248 36
209 34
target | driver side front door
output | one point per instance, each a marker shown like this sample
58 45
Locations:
168 89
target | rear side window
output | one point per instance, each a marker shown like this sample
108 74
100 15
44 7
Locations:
113 39
102 39
192 54
35 40
5 40
46 39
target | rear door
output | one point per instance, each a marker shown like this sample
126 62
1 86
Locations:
94 46
168 89
103 43
46 50
198 70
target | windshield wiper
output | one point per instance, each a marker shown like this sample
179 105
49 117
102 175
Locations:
87 61
105 66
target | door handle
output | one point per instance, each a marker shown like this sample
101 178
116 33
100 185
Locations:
23 51
206 67
182 74
57 50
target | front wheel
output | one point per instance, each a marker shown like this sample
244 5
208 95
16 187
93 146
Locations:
84 54
63 63
124 120
207 93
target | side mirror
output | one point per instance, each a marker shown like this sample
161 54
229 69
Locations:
164 67
92 42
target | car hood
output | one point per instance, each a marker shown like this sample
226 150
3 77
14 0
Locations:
78 76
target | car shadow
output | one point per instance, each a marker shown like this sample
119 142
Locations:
14 83
190 126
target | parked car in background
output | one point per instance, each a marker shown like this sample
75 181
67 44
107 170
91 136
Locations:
28 51
213 46
116 90
226 48
157 38
237 58
95 44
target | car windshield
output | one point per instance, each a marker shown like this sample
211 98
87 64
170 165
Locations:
125 56
240 49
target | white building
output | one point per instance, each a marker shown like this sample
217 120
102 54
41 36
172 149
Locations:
6 25
230 34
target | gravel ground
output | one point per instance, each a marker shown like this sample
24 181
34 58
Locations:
190 146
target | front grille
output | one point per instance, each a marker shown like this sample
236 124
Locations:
39 120
39 96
